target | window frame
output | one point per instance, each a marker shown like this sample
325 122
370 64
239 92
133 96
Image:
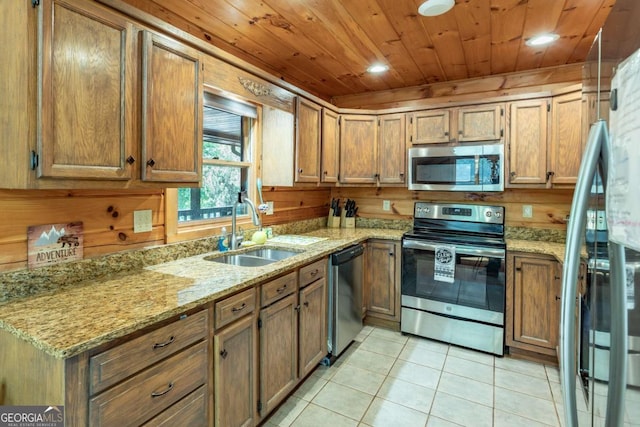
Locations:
196 229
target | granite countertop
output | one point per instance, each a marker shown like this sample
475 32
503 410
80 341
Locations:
537 247
67 322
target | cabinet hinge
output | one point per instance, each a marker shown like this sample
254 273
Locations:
501 133
502 111
259 323
411 120
378 122
339 120
259 406
518 268
410 138
35 3
34 160
548 107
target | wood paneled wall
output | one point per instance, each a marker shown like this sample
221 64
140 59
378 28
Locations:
550 207
107 216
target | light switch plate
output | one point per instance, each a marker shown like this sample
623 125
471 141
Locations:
386 205
142 221
527 211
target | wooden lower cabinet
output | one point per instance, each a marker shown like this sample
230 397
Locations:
382 280
278 326
533 303
234 366
313 326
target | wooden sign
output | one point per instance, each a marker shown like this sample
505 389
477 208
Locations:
54 243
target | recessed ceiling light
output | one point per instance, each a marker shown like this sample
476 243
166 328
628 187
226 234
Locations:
378 68
435 7
542 39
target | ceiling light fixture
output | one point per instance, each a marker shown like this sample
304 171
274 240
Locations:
378 68
542 39
435 7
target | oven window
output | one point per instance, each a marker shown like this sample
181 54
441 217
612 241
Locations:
479 282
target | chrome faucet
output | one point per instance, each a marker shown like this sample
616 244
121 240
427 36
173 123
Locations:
242 199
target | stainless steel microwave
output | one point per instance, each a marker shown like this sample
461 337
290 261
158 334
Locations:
461 168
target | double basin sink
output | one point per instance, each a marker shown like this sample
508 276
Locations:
254 258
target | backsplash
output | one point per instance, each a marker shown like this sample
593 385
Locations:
543 234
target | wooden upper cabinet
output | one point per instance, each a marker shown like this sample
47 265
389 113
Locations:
566 138
391 149
172 94
590 112
480 123
358 149
330 146
308 122
528 141
88 85
429 127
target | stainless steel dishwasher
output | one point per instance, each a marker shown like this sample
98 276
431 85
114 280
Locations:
345 299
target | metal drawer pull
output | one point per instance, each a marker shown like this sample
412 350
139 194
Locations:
164 344
161 393
314 272
237 309
306 303
281 289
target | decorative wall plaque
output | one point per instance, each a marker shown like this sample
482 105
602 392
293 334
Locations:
258 89
54 243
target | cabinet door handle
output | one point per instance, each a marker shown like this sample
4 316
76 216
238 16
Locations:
446 134
224 353
163 392
164 344
131 160
306 303
297 308
558 298
237 309
513 174
281 289
299 170
550 174
151 162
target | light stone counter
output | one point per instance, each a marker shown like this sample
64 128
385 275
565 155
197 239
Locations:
66 322
537 247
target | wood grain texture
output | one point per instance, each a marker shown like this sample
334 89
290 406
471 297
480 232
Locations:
527 143
382 269
308 133
313 325
392 149
566 138
325 47
330 149
358 149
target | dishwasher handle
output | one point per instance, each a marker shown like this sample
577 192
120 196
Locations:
347 254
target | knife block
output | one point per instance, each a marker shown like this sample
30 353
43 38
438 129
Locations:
347 222
333 221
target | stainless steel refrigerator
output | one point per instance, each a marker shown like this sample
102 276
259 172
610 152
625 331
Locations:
600 327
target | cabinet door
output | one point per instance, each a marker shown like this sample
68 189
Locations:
391 149
383 299
429 127
480 123
308 128
277 147
234 374
330 146
87 92
313 326
528 132
278 351
358 149
566 138
172 94
590 112
536 291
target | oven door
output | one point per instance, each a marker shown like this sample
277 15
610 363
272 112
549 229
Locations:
472 288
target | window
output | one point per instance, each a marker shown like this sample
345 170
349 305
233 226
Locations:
227 167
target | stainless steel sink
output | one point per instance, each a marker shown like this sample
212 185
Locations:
241 260
253 258
272 253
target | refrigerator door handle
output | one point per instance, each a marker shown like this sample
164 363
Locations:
575 231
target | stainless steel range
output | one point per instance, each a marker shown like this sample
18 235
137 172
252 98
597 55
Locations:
453 275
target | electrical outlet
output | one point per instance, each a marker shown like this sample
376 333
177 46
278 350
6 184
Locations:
527 211
386 205
269 208
142 221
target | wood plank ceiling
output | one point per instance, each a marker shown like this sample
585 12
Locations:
325 46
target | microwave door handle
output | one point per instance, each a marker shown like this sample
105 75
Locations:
460 249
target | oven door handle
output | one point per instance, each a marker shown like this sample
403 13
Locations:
460 249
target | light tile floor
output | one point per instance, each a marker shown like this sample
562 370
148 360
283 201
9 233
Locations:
388 379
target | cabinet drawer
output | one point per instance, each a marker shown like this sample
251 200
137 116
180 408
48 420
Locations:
277 288
150 392
113 365
234 307
312 272
190 411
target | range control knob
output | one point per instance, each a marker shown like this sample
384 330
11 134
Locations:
488 214
498 214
